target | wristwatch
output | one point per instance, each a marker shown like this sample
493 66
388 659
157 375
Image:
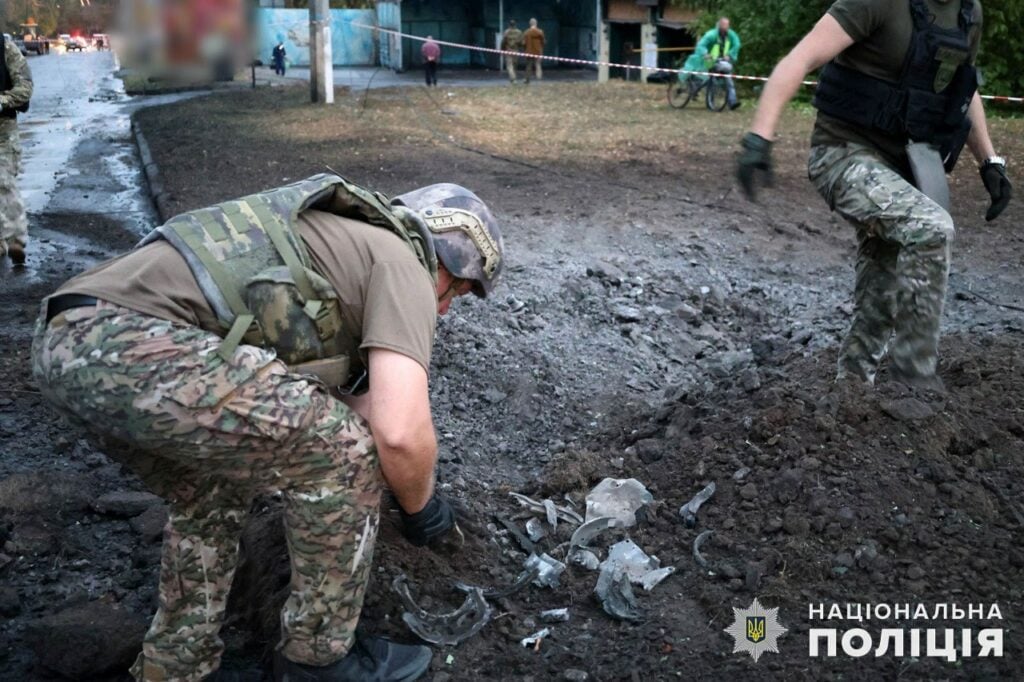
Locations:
997 160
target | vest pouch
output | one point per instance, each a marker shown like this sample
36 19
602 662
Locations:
925 110
299 330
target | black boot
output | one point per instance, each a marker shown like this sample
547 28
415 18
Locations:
372 659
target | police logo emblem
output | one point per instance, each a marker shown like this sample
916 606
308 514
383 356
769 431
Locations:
756 630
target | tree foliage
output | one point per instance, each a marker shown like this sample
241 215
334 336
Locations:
58 16
770 28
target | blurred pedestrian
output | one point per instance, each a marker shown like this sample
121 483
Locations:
15 92
533 42
512 41
279 55
431 52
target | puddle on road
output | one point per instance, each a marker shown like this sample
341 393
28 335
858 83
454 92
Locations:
81 179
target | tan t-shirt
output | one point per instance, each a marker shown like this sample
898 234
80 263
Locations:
881 30
387 298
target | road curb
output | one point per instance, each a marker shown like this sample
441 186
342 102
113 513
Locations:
154 180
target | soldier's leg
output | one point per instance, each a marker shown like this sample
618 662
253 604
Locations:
199 556
331 517
13 222
874 309
510 66
873 196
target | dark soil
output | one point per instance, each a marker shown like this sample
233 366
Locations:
652 325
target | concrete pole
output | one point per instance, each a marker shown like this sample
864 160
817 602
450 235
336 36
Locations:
501 31
321 71
604 50
648 39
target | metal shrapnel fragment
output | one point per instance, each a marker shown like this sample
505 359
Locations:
616 595
535 531
524 579
555 616
548 569
697 543
535 639
446 629
591 529
689 510
619 498
584 558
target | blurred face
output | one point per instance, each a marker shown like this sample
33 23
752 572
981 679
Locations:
449 288
723 25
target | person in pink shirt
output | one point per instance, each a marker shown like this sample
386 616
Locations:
431 52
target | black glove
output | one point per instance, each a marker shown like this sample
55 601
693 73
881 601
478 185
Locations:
430 523
756 156
998 186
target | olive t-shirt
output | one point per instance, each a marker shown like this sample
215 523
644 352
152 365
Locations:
387 298
881 30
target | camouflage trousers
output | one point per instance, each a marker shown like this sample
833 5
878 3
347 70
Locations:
208 435
903 257
13 223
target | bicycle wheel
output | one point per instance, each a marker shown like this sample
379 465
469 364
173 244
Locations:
718 93
680 93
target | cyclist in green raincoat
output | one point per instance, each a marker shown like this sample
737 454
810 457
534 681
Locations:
718 50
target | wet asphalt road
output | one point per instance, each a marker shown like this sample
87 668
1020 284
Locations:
81 178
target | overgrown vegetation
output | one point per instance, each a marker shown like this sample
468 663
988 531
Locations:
770 28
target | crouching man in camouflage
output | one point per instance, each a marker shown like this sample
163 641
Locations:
279 343
897 100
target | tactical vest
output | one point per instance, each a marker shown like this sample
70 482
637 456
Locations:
929 103
253 268
721 48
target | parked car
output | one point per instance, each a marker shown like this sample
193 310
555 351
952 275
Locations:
72 43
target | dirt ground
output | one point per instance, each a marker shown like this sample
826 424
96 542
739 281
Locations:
651 325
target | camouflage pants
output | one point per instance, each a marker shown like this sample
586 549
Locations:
208 435
902 261
13 223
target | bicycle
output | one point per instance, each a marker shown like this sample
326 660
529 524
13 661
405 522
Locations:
689 85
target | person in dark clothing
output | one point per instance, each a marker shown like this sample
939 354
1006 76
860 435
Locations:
278 56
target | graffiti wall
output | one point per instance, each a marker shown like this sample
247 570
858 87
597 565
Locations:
350 46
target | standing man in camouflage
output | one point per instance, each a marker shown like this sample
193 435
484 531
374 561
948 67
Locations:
512 41
897 100
276 343
15 92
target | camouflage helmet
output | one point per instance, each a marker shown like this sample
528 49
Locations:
466 236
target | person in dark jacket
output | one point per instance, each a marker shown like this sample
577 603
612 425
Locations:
279 55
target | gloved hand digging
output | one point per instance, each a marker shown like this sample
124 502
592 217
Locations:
755 157
429 524
993 174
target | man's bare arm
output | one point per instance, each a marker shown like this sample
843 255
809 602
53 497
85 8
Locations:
399 415
826 40
979 141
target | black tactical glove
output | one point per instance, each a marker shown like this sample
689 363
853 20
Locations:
998 186
756 156
430 523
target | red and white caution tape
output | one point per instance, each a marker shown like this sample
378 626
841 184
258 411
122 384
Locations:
591 62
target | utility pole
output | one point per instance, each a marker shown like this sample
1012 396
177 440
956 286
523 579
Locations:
321 70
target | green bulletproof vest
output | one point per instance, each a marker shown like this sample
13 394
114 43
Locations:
253 268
